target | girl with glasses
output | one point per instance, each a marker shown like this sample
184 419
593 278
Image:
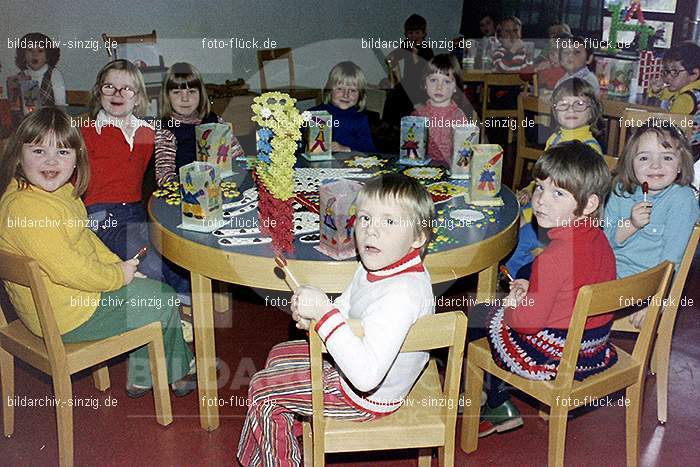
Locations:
577 111
120 146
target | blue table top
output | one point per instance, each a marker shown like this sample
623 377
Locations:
451 233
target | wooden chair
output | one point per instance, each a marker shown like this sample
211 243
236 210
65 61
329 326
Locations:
269 55
50 355
633 118
611 161
628 373
135 39
499 80
414 425
78 98
662 348
528 105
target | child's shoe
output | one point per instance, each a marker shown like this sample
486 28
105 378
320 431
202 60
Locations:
505 417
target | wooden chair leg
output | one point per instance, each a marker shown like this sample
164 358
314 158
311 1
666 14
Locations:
470 418
653 361
425 457
558 417
633 414
308 445
159 375
446 453
662 357
7 380
63 392
101 378
517 174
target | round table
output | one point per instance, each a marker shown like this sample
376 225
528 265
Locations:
474 249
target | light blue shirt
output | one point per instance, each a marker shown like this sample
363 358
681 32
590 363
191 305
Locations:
674 212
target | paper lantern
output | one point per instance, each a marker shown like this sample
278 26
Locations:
463 140
486 169
200 188
413 142
337 218
214 145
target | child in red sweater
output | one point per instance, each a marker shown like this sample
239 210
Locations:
527 335
120 146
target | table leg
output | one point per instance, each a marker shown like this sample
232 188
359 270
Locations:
486 284
205 349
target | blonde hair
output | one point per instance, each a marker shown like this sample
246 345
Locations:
46 123
669 137
183 76
349 74
411 197
141 106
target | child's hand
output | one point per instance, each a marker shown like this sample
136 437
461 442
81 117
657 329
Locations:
140 275
637 319
657 84
518 291
309 303
129 269
337 147
523 197
641 214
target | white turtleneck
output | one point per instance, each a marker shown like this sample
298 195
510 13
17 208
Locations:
59 86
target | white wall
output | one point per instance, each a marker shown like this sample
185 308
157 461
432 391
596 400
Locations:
322 33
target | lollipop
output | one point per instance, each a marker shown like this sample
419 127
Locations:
505 272
282 263
141 253
645 190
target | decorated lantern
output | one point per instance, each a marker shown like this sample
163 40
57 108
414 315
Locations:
214 145
337 213
414 139
463 139
319 135
486 168
202 207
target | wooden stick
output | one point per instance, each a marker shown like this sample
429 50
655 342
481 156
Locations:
282 263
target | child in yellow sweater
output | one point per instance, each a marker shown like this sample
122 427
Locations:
92 291
679 89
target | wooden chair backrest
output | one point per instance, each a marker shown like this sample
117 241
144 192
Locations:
149 38
634 118
681 275
79 98
606 297
499 79
268 55
429 332
25 271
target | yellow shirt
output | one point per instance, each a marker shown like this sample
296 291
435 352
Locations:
75 265
582 134
680 102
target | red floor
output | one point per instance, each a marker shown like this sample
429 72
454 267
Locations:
126 433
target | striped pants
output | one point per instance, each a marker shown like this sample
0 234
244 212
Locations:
278 396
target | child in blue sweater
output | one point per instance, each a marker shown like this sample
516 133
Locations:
344 98
646 229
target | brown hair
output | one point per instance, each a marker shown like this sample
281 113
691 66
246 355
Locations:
410 195
578 169
95 103
38 126
669 137
183 76
52 53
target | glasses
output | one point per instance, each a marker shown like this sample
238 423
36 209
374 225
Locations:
673 73
577 106
109 90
